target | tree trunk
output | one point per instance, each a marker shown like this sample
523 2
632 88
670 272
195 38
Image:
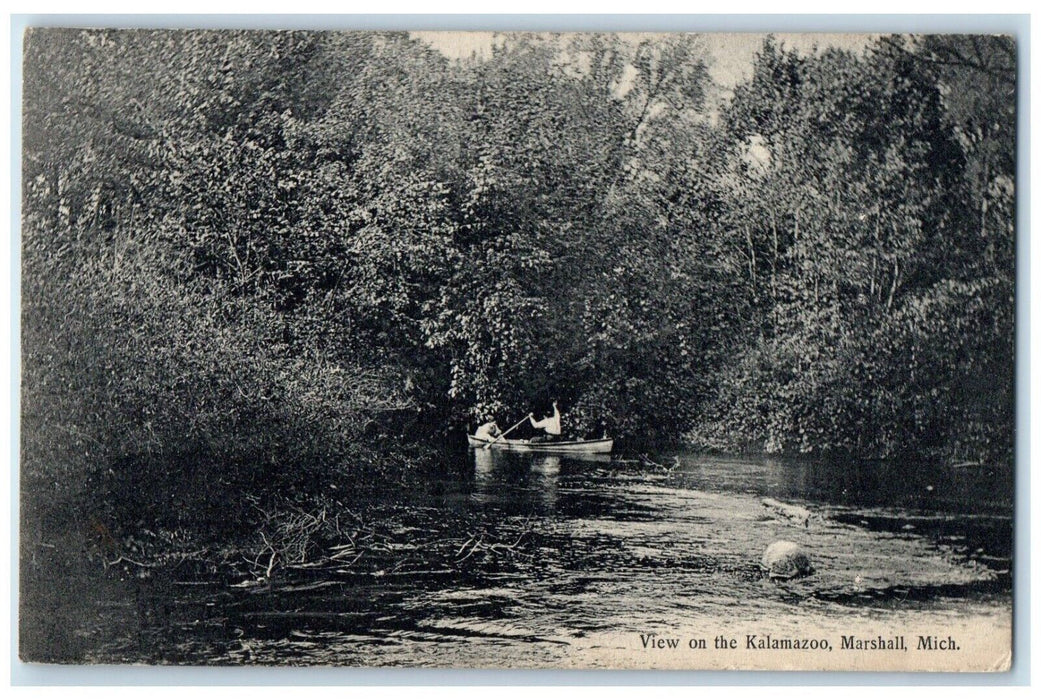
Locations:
751 263
892 287
773 259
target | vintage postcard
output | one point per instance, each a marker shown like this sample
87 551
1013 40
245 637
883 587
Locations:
518 350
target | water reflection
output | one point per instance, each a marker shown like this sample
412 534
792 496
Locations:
484 461
546 472
526 483
516 481
546 464
858 483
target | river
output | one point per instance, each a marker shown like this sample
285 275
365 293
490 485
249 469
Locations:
517 561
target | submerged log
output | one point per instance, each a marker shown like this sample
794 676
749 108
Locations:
797 514
785 560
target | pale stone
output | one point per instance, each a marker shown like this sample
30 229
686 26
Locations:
784 559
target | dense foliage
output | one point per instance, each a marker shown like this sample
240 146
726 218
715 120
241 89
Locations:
269 251
880 267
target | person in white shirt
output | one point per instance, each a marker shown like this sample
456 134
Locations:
488 431
551 424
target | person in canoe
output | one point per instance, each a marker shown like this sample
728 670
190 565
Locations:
550 424
488 431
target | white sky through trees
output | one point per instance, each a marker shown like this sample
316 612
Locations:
730 54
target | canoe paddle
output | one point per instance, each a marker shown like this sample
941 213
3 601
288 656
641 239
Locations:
502 435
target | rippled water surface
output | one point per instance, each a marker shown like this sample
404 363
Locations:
524 561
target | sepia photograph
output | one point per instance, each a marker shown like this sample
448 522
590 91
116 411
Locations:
518 350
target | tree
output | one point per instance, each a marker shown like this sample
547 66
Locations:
849 215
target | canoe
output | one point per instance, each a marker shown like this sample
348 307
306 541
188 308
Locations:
565 447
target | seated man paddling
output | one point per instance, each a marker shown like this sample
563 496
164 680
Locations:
551 424
488 431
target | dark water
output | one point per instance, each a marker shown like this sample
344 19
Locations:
513 560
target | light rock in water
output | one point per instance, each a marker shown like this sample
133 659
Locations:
784 559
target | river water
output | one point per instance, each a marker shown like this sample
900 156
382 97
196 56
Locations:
518 561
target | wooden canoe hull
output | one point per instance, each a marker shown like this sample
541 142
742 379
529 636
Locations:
567 447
